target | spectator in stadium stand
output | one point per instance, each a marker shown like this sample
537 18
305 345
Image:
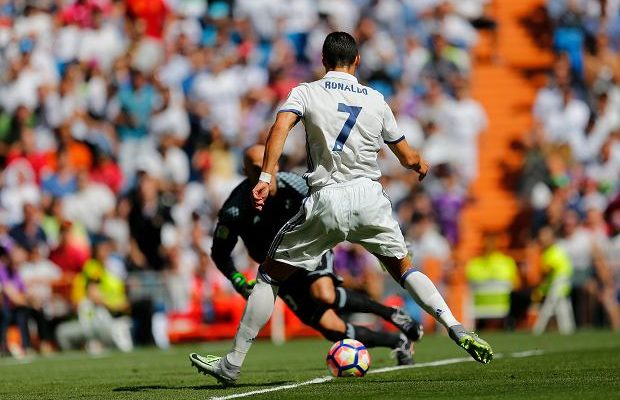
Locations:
554 290
170 118
106 171
586 257
149 214
101 302
470 121
39 276
14 301
492 277
359 270
68 254
20 187
61 182
444 62
602 61
149 16
89 204
427 242
25 149
175 163
612 252
78 153
448 200
53 220
29 233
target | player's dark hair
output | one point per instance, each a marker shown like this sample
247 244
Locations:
339 50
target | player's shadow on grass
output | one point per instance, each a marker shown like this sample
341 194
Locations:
147 388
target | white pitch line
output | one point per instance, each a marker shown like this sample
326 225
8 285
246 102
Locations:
527 353
275 389
437 363
324 379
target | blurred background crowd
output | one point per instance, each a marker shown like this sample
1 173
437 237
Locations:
122 124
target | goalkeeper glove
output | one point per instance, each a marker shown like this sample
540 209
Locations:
241 284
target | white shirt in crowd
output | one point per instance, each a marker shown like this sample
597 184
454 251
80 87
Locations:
430 245
38 277
578 247
343 14
89 205
470 120
173 120
262 14
222 92
101 45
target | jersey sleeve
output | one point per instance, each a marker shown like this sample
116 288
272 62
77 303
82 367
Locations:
390 132
296 102
224 240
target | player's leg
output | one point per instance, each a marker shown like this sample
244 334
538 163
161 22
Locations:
351 301
334 328
324 291
258 310
424 292
300 243
377 230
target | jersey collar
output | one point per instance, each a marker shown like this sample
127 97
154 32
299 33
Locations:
340 75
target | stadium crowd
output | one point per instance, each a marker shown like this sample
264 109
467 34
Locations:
122 124
571 174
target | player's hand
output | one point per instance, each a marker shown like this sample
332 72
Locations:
422 169
259 194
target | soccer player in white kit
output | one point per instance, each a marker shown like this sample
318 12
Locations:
345 123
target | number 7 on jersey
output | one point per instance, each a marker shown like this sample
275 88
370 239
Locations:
353 112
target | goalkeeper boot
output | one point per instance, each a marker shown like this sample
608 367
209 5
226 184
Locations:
403 352
407 324
479 349
217 367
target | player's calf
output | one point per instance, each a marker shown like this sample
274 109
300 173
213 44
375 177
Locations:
323 291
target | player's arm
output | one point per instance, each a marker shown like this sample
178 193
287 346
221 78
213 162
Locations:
393 137
409 157
285 121
224 241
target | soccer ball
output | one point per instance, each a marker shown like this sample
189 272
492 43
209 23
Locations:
348 357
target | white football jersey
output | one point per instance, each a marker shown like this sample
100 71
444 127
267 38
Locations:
345 123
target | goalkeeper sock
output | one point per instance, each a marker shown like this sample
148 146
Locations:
257 312
351 301
424 292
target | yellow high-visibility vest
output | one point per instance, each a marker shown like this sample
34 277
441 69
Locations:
491 278
555 265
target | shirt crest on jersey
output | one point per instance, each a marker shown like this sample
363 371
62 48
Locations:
346 87
222 232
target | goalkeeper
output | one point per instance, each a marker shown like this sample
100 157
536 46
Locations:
315 297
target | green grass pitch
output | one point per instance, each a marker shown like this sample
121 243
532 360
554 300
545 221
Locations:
583 366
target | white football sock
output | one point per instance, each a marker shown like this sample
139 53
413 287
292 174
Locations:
424 292
258 309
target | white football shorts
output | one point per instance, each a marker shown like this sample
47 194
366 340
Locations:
358 211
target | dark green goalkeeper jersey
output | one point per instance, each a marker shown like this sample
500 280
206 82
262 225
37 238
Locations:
239 219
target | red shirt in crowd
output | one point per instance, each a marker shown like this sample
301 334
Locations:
109 174
69 257
152 13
